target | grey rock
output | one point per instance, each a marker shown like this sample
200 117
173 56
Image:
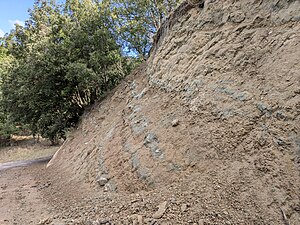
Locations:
183 208
264 108
110 186
161 210
175 123
102 180
151 137
151 141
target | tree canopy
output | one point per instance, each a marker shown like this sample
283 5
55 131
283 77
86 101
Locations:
69 55
136 22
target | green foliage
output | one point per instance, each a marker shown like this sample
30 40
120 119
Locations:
136 21
68 56
7 128
67 59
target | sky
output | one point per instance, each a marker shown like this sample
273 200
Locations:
12 12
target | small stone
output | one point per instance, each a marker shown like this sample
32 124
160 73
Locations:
102 180
140 219
133 219
183 207
45 221
161 210
175 123
96 222
201 222
173 200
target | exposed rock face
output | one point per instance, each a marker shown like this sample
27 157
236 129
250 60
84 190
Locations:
229 71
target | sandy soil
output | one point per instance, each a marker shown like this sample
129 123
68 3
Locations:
21 182
21 201
29 195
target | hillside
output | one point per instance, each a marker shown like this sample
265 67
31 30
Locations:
209 125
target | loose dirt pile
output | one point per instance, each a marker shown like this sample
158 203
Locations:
206 132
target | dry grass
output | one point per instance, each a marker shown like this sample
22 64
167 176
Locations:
25 148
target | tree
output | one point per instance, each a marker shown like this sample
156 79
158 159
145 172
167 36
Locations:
7 128
67 56
134 22
67 59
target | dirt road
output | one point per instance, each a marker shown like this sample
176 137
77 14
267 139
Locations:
22 163
21 201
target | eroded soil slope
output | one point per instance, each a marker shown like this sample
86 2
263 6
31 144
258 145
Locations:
209 125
